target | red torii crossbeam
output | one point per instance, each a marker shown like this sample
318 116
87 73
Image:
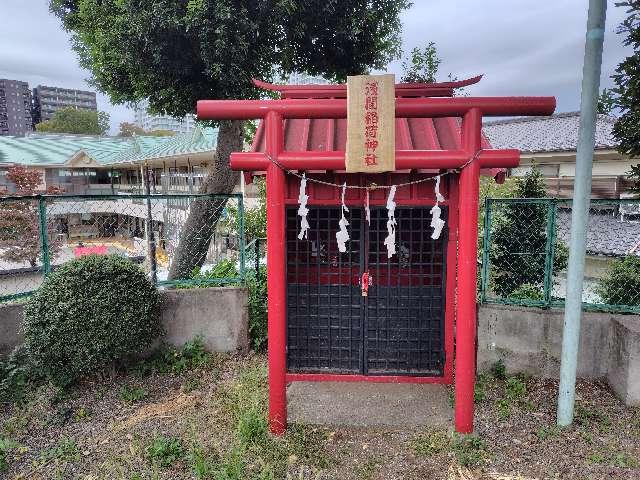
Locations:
471 109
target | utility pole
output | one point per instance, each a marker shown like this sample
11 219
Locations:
580 210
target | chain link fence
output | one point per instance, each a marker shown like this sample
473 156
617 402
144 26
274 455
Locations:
40 233
525 253
256 254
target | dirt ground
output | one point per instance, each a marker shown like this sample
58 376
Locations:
209 422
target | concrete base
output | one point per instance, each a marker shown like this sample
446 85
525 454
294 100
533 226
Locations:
362 404
624 368
529 340
218 314
11 335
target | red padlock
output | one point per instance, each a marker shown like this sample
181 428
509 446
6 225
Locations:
365 282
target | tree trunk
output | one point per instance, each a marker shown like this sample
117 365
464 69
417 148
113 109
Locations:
204 213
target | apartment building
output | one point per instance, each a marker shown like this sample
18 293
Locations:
47 100
148 121
15 108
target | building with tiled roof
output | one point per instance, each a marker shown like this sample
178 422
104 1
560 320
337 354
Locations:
551 142
94 164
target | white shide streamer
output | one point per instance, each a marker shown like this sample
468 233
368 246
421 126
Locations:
390 241
302 209
436 221
342 235
367 210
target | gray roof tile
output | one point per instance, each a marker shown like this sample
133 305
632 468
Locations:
557 133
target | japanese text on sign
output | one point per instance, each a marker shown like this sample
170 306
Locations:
370 123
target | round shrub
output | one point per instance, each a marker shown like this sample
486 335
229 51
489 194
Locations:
621 284
89 313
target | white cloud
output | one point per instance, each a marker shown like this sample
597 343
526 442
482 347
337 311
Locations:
524 47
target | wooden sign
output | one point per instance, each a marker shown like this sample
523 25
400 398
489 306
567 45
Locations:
371 123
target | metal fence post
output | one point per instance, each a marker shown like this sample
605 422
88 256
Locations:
549 251
241 234
486 239
44 239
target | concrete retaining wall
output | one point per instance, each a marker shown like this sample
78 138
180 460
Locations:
10 327
529 340
218 314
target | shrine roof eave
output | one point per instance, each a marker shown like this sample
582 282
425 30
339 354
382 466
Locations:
439 89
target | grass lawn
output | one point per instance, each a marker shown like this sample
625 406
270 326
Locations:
203 417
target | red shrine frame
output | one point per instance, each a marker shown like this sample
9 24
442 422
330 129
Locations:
320 102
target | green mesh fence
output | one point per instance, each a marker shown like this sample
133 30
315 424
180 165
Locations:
40 233
525 253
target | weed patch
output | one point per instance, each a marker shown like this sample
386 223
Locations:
168 359
132 394
499 370
431 443
164 451
544 433
469 450
66 450
6 446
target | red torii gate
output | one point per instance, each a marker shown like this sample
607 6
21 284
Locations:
297 104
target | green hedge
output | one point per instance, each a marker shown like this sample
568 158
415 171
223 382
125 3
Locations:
89 313
621 284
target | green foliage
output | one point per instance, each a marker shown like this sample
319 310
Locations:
257 285
424 65
431 443
201 465
164 451
223 269
527 292
627 80
469 450
169 359
255 218
175 53
65 450
89 313
191 384
132 394
606 102
6 446
252 427
548 432
16 376
254 453
634 174
518 242
621 283
515 389
480 390
79 121
499 370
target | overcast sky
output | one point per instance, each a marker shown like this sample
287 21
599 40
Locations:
523 47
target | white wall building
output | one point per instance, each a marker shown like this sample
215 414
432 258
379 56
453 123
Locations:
147 121
304 79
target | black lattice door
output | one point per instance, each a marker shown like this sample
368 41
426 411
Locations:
398 329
